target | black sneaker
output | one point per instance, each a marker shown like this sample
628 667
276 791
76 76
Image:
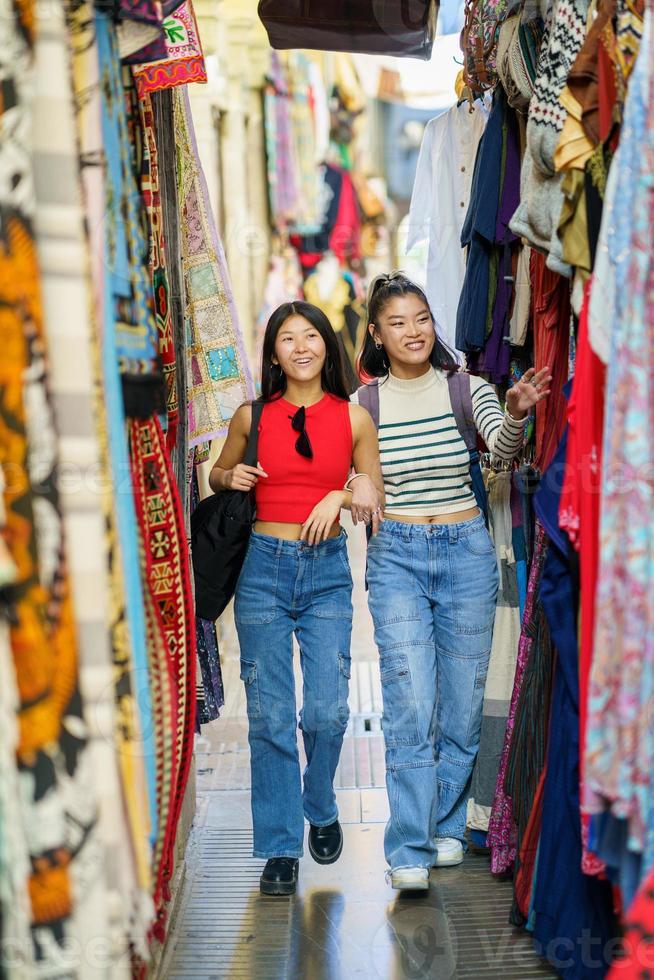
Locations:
326 843
279 877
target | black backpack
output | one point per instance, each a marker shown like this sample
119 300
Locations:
220 533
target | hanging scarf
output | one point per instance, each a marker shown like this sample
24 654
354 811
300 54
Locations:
218 375
158 269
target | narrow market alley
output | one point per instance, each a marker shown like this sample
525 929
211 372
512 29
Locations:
270 268
345 921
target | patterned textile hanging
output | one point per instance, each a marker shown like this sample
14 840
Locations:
501 667
124 800
130 650
61 244
283 181
135 330
218 375
167 577
162 107
15 911
182 61
620 734
51 747
502 831
158 270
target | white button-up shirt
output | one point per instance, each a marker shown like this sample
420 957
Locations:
439 203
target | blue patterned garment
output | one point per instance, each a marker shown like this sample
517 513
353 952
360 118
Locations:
120 466
134 322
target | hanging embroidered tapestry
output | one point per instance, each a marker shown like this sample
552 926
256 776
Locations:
218 375
183 61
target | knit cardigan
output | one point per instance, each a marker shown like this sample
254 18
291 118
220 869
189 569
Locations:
537 217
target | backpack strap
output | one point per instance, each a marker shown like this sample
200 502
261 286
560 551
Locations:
252 452
368 396
461 398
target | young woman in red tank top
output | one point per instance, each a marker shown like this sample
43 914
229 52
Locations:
296 581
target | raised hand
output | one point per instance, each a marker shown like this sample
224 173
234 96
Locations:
532 388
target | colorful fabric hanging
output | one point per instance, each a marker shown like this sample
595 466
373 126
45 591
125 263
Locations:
172 618
182 61
62 249
620 735
218 375
134 720
15 910
135 329
502 831
501 667
158 269
55 795
281 164
123 786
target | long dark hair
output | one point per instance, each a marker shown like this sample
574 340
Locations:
273 379
373 362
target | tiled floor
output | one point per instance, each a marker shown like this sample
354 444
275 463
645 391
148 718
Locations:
345 920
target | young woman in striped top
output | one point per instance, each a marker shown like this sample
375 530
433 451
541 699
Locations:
432 573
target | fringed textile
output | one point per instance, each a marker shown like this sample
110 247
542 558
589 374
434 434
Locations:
218 375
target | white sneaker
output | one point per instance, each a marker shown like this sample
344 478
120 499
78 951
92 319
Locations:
410 879
449 852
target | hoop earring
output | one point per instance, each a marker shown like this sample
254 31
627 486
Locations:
329 364
379 346
276 367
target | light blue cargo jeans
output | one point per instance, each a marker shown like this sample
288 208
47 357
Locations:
432 595
287 588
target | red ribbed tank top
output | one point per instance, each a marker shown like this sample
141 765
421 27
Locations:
295 484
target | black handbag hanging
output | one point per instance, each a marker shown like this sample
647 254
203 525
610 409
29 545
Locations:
404 28
220 533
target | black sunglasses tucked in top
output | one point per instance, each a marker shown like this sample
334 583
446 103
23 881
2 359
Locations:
299 422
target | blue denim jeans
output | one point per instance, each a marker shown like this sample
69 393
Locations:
432 594
287 588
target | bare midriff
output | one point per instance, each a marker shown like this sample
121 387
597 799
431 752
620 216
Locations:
458 518
287 532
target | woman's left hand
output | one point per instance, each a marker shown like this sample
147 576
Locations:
320 521
532 387
365 507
